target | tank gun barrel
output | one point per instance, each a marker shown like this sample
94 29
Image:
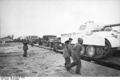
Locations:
112 25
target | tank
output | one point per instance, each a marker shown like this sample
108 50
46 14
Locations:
103 42
98 41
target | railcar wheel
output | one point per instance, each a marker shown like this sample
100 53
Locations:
90 51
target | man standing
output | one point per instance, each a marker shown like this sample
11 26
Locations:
66 54
25 48
76 56
70 48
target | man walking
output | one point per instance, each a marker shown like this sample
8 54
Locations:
76 56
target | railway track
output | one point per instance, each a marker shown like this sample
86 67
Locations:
111 62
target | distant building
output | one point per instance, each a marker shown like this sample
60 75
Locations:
6 39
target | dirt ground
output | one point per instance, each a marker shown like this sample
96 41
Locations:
45 63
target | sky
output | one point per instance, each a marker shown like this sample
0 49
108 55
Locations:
54 17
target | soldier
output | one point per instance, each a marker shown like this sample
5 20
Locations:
66 54
25 48
70 46
76 56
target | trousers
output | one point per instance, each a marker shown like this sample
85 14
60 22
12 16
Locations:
76 63
25 53
67 62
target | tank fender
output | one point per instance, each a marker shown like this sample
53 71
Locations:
94 40
114 42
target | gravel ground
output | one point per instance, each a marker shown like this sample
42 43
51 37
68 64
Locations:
42 62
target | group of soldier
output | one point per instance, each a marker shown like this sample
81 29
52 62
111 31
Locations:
74 53
69 51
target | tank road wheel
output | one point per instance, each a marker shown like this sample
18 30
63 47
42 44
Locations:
99 52
90 51
82 52
107 48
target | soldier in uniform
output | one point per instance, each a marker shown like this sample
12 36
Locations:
66 54
25 48
70 48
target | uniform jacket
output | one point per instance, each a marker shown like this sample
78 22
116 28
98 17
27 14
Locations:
65 52
25 47
76 51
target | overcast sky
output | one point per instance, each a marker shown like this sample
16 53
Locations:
41 17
